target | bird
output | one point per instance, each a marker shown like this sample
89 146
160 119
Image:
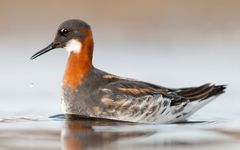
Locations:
90 92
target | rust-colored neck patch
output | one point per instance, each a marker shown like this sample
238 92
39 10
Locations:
79 63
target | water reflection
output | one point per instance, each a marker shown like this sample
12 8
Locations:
81 134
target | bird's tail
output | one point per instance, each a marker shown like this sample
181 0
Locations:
202 92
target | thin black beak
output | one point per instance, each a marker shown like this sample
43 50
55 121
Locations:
47 49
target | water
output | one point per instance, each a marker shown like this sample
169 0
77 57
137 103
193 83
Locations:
59 132
25 121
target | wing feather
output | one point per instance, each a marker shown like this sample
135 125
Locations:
138 101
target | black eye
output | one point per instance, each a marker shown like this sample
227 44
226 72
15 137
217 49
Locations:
63 31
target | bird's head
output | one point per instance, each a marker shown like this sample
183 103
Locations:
72 35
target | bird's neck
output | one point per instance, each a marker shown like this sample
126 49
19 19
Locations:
79 65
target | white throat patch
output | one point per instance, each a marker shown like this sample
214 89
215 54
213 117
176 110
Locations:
73 46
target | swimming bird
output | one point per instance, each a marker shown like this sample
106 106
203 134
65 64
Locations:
91 92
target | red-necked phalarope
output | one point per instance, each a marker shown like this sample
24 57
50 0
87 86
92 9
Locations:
90 92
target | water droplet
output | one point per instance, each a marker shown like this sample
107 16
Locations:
31 85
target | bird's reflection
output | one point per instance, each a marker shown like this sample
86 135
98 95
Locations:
80 134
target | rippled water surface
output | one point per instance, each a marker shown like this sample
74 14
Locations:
71 133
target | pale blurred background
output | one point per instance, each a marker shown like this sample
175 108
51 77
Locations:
167 42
